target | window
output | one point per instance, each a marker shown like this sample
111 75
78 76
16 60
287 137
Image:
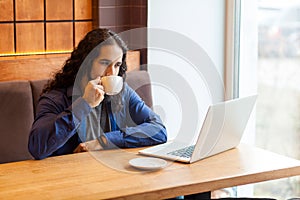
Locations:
269 63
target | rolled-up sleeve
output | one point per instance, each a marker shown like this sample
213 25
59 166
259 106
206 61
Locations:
147 130
56 122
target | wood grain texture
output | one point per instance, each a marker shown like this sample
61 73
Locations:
7 38
6 7
42 66
29 37
133 60
83 9
29 10
59 10
78 176
30 67
81 29
59 36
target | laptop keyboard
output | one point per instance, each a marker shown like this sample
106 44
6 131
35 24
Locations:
185 152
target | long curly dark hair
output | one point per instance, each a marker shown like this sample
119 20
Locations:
88 46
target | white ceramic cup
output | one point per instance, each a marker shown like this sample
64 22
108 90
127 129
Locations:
112 84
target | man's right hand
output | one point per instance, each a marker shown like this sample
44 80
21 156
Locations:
94 92
92 145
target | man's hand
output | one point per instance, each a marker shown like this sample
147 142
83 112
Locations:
92 145
80 148
94 92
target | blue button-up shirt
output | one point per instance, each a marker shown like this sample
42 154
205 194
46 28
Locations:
55 129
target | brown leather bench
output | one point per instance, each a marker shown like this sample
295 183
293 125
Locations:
18 100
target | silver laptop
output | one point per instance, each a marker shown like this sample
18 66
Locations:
222 130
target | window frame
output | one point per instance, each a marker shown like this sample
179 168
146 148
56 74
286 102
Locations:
232 49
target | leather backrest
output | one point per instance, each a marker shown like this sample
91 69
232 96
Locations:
140 82
16 118
18 101
37 87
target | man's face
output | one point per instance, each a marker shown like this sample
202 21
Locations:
108 62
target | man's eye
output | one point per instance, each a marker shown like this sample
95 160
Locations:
103 62
118 64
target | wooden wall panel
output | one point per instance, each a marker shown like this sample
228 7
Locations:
59 9
95 15
7 38
29 37
138 2
43 66
133 60
29 9
124 2
81 29
83 9
107 3
59 36
138 16
119 29
36 28
123 15
6 10
30 67
40 36
107 16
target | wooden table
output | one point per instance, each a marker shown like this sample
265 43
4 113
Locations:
83 176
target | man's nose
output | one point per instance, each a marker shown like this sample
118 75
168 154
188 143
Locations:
110 70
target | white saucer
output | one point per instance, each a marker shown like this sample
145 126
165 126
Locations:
148 163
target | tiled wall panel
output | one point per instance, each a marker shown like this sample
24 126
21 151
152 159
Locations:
43 26
59 36
58 25
29 37
81 28
7 42
107 16
103 3
59 9
138 16
123 15
6 13
83 9
29 10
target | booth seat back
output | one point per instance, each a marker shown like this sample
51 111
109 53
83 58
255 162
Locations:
16 107
18 101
